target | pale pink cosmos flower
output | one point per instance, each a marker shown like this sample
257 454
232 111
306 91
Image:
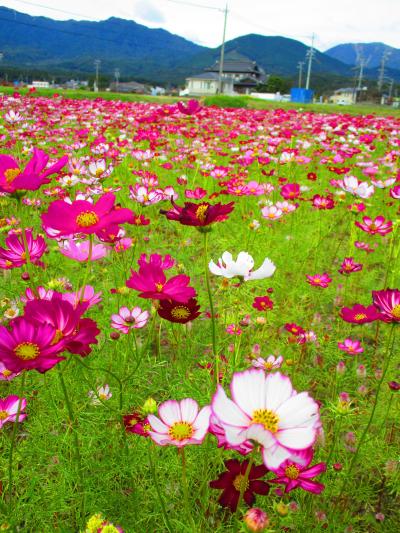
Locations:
180 423
6 374
286 207
102 394
271 212
271 363
128 319
266 409
350 346
9 409
80 251
143 195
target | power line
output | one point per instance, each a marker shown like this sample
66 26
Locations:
193 4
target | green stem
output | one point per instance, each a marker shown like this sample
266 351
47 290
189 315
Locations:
13 438
213 331
88 267
155 481
78 458
245 480
388 356
185 490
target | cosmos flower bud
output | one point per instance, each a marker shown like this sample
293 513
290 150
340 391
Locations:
149 406
256 520
282 509
361 371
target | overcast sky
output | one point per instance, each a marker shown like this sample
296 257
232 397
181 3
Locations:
333 21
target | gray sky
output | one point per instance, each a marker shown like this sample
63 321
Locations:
333 21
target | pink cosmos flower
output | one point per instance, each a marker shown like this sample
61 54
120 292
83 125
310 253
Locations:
152 283
293 474
363 246
34 175
218 431
28 346
266 409
376 226
80 251
319 280
323 202
271 363
359 314
388 303
290 191
81 216
9 409
14 255
128 319
191 108
143 195
232 329
349 265
86 296
395 192
196 194
157 260
6 374
351 347
180 423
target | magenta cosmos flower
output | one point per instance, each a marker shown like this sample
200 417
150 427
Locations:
77 333
153 284
128 319
9 409
359 314
191 108
28 346
202 214
395 192
81 216
180 423
293 474
266 409
351 347
349 265
388 303
376 226
13 179
14 255
319 280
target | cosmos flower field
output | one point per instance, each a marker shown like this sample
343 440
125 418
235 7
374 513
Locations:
199 313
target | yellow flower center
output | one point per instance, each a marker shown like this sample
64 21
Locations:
180 312
268 365
3 415
317 280
240 483
57 336
201 212
11 174
99 172
6 373
292 471
181 431
159 287
27 351
396 311
86 219
271 215
360 316
267 418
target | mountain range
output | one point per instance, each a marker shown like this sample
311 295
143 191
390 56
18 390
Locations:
61 48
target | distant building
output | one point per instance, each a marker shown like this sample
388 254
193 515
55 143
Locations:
40 84
344 96
130 87
241 75
75 84
207 83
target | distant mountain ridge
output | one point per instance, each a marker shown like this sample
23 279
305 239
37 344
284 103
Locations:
45 45
373 52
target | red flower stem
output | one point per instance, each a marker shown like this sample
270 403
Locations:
388 356
13 437
213 332
78 458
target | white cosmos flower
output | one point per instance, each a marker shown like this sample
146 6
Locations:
267 410
242 267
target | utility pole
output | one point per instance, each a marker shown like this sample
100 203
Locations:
221 59
300 66
381 78
310 56
97 63
116 76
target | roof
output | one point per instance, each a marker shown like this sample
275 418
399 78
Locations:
235 62
346 90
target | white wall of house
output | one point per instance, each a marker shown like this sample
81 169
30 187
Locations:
202 87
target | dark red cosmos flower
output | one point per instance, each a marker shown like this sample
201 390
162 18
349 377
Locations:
359 314
262 303
394 386
179 312
137 423
232 482
202 214
294 329
388 303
